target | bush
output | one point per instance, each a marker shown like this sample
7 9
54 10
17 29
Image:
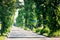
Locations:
25 28
38 30
45 31
34 30
55 34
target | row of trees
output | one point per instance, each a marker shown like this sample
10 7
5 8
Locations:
41 16
7 10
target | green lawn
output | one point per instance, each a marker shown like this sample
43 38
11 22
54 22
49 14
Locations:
2 38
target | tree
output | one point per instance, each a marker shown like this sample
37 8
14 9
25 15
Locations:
48 8
42 16
20 21
7 10
30 15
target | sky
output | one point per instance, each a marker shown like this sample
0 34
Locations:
21 0
16 15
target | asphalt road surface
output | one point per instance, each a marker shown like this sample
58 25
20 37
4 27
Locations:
19 33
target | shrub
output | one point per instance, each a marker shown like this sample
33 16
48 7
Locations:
55 34
45 31
25 28
38 30
34 30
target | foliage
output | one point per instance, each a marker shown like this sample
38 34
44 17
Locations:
7 10
45 31
30 15
34 30
38 30
48 8
55 34
41 16
20 21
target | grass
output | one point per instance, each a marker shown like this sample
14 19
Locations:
2 37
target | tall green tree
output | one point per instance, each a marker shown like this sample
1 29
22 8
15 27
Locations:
30 16
7 10
39 11
48 8
43 15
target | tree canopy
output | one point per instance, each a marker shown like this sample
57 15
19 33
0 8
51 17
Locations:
40 16
7 11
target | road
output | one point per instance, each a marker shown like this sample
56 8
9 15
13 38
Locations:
21 34
33 39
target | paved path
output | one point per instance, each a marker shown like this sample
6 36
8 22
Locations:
33 39
19 32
